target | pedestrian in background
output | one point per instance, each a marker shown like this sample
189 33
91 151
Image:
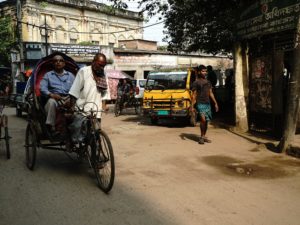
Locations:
211 76
201 95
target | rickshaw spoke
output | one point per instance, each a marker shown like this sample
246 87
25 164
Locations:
30 147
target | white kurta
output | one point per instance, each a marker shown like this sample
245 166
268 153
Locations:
85 90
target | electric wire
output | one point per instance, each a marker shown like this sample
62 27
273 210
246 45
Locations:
78 32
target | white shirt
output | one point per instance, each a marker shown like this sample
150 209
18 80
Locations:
85 90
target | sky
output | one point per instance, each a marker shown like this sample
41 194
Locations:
153 33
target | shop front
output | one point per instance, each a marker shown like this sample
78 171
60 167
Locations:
268 30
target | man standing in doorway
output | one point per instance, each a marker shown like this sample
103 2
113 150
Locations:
211 76
201 95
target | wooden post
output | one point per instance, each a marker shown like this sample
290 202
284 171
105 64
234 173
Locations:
240 93
292 111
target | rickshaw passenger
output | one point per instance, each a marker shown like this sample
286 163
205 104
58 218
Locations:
55 86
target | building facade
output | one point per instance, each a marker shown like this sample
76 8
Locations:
81 28
265 64
74 22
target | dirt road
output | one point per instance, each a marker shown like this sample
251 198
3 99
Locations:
163 176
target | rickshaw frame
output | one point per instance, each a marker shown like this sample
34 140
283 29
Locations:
96 147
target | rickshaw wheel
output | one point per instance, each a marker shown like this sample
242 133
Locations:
30 147
103 161
6 137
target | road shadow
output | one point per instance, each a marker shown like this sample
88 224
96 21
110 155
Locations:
272 147
171 123
146 121
72 188
135 118
188 136
259 139
293 151
67 163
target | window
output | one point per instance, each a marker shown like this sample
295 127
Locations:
73 41
95 42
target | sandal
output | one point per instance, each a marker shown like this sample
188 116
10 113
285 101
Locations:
206 140
201 141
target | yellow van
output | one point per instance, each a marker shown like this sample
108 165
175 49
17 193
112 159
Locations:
168 95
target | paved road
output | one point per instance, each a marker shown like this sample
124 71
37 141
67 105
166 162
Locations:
163 176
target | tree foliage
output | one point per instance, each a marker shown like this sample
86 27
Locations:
7 40
196 25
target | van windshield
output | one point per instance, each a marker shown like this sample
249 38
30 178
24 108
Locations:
162 81
142 83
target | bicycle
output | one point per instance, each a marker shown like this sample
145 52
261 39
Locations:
98 149
132 102
95 146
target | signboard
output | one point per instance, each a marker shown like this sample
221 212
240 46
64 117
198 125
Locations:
33 50
267 16
76 50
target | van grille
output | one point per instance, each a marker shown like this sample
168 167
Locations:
163 104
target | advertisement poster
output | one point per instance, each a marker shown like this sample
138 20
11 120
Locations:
261 85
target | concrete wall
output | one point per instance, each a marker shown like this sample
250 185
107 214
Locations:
141 63
138 44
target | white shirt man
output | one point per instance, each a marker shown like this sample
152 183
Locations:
85 89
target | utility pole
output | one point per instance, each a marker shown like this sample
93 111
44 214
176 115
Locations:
293 98
20 38
241 116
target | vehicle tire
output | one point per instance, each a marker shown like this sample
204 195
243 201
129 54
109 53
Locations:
103 161
193 119
154 121
19 112
30 147
6 138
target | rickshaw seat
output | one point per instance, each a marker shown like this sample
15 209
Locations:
44 66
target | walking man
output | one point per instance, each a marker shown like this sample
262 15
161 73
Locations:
201 95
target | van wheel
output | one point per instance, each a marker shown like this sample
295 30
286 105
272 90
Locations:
154 121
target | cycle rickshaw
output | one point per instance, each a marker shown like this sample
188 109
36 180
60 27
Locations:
94 146
130 102
5 83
